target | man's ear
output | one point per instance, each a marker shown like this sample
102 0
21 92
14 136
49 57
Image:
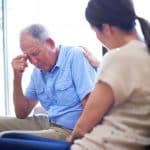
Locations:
50 43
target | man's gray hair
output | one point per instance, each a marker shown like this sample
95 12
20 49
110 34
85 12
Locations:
37 31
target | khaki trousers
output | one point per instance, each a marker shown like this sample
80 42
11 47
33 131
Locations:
37 125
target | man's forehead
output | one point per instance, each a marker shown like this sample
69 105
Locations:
26 38
28 42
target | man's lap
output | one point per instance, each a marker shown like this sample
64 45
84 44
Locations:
37 125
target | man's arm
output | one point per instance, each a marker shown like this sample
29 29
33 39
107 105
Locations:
23 106
84 76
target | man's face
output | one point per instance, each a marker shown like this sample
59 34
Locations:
39 54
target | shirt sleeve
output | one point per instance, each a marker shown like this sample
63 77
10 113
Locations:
84 75
117 71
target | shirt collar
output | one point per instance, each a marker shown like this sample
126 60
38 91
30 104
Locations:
61 57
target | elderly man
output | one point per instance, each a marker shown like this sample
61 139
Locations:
61 81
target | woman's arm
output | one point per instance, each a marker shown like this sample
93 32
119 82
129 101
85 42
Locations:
98 104
95 62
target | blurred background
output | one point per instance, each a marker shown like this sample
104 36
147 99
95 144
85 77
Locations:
66 22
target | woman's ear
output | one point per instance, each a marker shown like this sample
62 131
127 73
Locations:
107 29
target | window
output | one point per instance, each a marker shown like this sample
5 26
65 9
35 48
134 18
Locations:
3 88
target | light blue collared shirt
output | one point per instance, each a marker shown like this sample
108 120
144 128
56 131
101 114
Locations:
61 90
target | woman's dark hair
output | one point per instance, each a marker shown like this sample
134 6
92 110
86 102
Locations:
119 13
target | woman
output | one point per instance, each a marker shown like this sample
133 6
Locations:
116 116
